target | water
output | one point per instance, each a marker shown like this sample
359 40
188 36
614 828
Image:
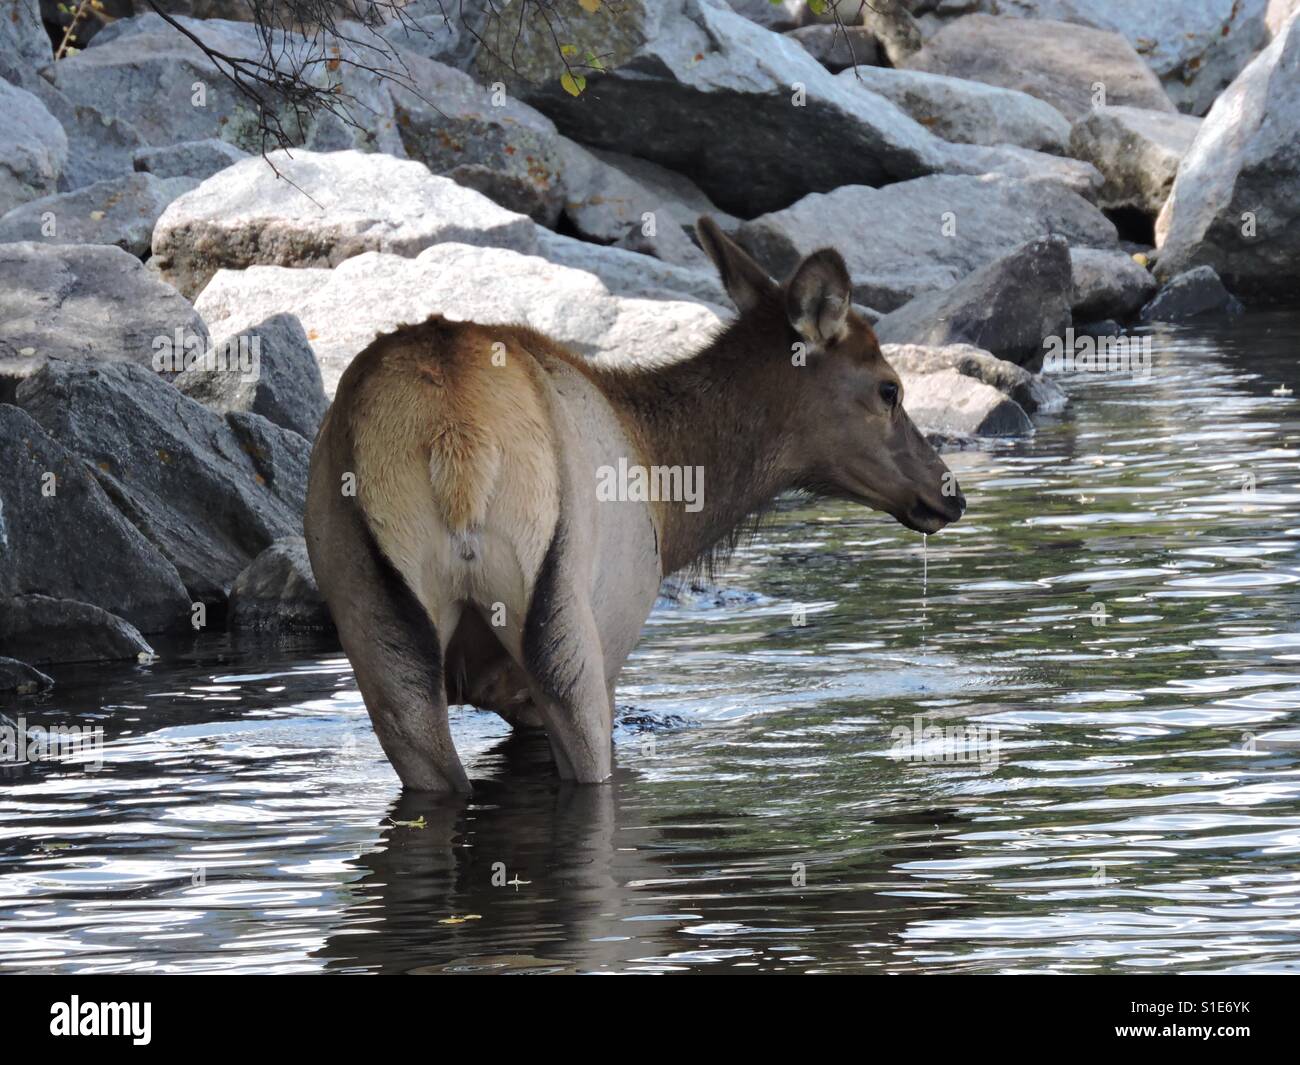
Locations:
1114 622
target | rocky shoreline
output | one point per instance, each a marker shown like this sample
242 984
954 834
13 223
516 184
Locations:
997 173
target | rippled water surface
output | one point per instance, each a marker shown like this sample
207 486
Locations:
1112 633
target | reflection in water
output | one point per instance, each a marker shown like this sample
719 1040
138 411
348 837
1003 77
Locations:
1063 738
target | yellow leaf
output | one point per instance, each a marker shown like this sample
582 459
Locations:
573 84
589 6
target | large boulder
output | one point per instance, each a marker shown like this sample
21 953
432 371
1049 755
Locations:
950 404
1107 284
480 138
676 72
304 208
1033 392
629 273
1025 164
278 592
100 146
969 112
1137 152
922 236
1195 47
41 629
191 159
1195 292
33 147
1060 63
202 493
606 204
21 679
839 47
1235 204
120 211
142 71
269 369
344 309
24 45
87 302
1006 307
64 538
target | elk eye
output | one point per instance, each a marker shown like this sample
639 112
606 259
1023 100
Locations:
889 393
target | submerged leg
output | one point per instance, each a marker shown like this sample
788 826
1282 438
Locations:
565 664
393 646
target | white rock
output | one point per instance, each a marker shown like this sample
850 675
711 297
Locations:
304 208
344 309
1235 205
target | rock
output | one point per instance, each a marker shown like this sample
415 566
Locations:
1034 393
344 309
485 141
603 203
120 211
427 28
22 679
269 369
61 536
1197 291
24 45
42 629
1107 284
191 159
278 591
1006 307
100 147
182 475
969 112
1083 179
804 130
1195 47
86 302
1235 204
922 236
949 403
323 208
892 25
1055 61
1279 11
628 273
280 456
778 15
837 48
1137 152
33 147
142 71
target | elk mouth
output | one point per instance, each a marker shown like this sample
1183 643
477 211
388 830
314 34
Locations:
922 517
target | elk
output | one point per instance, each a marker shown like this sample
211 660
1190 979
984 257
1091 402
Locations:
477 559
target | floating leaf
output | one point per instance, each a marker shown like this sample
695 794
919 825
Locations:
417 823
573 84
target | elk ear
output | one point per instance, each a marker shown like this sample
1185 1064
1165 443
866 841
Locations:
818 298
745 281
